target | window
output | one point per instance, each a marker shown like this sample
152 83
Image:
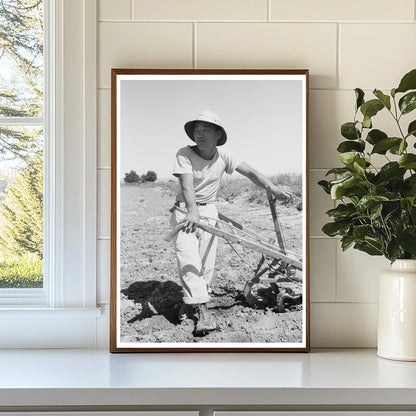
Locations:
63 313
22 132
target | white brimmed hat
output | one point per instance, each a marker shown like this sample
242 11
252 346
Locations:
209 117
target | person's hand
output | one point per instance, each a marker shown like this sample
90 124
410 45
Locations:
192 218
281 195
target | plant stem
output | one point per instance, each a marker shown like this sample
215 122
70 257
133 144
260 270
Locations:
397 118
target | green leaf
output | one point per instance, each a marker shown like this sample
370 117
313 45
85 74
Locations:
348 187
369 248
325 186
375 211
336 228
350 146
411 185
402 147
369 201
385 99
408 102
350 131
359 94
407 239
359 166
346 242
411 180
399 148
374 136
338 171
338 188
383 145
412 202
361 231
342 211
371 108
411 130
408 161
391 170
408 82
367 122
393 92
393 250
374 242
348 158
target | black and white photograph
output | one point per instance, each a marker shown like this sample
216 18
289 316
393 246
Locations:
209 243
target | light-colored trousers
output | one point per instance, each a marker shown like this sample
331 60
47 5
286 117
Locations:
195 254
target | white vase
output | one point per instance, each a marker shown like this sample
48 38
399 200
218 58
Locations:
397 312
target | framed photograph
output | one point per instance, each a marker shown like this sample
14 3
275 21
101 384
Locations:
209 211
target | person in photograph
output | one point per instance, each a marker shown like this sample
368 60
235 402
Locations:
199 169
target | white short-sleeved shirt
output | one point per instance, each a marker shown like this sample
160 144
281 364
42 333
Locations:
207 173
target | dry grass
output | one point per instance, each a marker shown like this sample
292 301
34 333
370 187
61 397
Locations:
238 187
242 187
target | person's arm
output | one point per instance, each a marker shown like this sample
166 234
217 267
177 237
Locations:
186 181
260 180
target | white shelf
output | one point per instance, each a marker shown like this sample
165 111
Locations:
56 378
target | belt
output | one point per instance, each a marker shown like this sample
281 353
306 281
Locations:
201 204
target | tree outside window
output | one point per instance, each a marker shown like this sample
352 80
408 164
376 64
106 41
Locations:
21 143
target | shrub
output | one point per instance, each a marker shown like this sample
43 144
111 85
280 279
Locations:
150 176
131 177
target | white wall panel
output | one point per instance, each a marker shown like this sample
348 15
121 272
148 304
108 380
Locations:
320 202
258 45
349 325
357 275
143 45
103 271
104 203
376 55
328 110
323 269
104 129
114 10
200 10
340 10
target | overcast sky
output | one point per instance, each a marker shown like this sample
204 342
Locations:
263 120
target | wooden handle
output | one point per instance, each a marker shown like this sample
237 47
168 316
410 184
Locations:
170 236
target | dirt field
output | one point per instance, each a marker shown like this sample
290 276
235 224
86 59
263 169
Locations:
150 290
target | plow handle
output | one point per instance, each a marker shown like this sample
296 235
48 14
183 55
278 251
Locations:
170 236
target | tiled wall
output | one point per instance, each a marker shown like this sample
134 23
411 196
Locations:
345 44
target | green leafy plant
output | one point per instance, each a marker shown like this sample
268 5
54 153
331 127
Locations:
376 210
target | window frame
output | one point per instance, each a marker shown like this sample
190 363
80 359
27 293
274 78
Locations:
38 296
67 304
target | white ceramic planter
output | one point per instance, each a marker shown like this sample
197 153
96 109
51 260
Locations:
397 312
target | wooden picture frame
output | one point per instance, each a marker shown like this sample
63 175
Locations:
259 295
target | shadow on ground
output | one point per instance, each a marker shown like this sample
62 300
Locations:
156 298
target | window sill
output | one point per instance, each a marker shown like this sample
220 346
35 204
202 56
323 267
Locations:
36 312
39 327
331 379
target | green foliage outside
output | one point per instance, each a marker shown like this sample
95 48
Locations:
21 271
376 212
21 213
21 95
